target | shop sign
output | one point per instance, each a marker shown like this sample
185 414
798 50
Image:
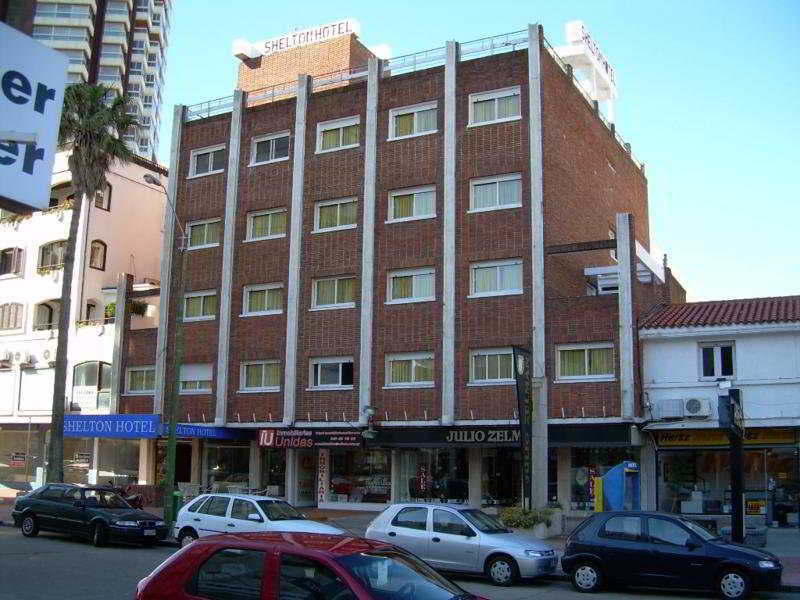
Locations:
717 437
755 507
82 457
112 426
310 438
322 477
18 459
435 437
304 37
186 430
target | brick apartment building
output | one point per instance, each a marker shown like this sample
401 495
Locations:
363 250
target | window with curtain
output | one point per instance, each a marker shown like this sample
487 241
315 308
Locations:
412 120
496 278
11 315
264 225
337 135
492 193
491 365
405 370
141 380
416 203
207 161
412 285
12 261
200 306
270 148
97 255
263 299
336 214
195 378
332 372
585 362
494 106
717 360
45 316
339 292
51 256
260 376
203 234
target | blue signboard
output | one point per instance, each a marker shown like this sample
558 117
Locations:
143 426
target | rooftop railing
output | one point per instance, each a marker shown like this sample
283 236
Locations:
209 108
488 46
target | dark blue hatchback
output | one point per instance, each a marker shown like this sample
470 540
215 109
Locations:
663 550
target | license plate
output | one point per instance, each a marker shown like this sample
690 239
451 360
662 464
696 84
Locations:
149 531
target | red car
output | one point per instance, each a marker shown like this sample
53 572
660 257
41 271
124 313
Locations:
295 566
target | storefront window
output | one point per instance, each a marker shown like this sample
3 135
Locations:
360 476
434 474
588 463
21 451
119 462
273 471
501 476
228 466
78 453
183 461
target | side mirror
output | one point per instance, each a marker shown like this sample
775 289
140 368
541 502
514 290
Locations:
254 517
79 504
692 544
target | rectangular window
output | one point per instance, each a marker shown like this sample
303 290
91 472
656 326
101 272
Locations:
260 376
334 292
332 215
411 285
410 121
585 362
338 134
411 204
717 360
141 380
409 370
266 224
60 34
495 106
136 67
263 299
497 278
207 161
494 193
332 373
196 379
62 11
12 261
200 306
491 365
269 148
204 234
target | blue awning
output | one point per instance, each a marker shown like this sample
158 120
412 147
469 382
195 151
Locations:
144 426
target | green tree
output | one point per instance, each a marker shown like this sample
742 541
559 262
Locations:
91 131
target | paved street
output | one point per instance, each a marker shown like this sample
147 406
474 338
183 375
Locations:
53 565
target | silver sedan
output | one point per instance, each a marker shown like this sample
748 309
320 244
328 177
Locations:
460 539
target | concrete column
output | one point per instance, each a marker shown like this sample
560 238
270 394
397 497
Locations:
539 440
396 484
295 249
565 477
95 470
475 476
291 476
167 249
228 245
449 238
197 461
121 327
626 261
255 465
368 242
147 459
648 475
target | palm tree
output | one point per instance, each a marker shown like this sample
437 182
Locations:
91 129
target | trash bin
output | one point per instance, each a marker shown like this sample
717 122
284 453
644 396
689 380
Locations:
177 502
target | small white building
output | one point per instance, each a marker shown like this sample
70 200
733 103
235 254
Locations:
691 354
119 231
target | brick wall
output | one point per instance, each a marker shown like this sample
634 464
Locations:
139 350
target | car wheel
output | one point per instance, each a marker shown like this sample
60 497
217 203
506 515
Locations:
99 535
733 584
30 528
587 577
502 570
186 537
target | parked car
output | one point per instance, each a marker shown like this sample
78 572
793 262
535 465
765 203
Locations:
96 513
664 550
212 514
459 539
295 566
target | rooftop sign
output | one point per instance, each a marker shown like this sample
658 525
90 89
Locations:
578 34
321 33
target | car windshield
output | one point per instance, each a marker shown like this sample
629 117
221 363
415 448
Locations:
396 575
484 522
277 510
704 533
105 499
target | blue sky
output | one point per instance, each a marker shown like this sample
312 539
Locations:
709 98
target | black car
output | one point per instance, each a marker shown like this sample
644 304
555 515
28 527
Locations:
663 550
96 513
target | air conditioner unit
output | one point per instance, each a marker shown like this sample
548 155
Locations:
696 407
670 408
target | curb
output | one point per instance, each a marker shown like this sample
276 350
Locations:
564 577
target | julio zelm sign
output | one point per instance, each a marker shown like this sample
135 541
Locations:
141 426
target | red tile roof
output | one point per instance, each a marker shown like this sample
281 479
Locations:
724 312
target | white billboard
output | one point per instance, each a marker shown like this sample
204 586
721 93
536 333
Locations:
32 82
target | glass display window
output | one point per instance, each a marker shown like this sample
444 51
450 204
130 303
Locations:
501 476
360 476
434 475
588 463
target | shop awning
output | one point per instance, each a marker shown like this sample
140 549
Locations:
139 426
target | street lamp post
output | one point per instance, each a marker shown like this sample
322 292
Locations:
171 404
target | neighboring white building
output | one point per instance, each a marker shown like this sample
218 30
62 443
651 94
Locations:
691 353
119 231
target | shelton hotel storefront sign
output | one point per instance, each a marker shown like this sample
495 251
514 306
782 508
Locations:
143 426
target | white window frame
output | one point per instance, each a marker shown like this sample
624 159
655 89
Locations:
202 293
193 161
494 179
315 306
318 205
129 391
412 356
415 190
266 138
198 391
488 352
328 360
243 389
493 95
406 273
337 124
261 213
584 378
257 288
717 345
414 108
495 263
191 224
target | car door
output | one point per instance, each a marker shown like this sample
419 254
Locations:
231 574
304 578
624 549
409 530
678 557
453 544
48 508
213 516
239 520
72 518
